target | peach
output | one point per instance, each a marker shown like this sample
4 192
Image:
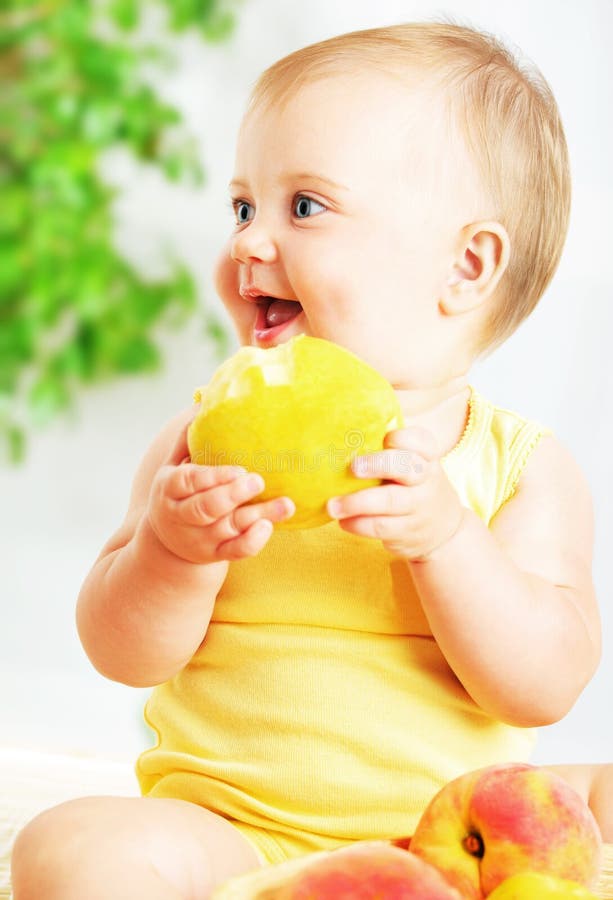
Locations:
366 870
492 823
533 886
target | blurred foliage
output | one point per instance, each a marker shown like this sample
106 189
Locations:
72 309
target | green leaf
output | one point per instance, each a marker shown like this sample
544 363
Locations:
12 443
125 13
47 397
216 332
136 354
219 26
73 311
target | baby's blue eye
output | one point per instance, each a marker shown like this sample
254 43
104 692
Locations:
303 206
241 211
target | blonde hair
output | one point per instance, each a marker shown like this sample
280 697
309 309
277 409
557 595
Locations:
508 117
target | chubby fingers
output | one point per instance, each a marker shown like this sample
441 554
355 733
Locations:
210 513
387 500
407 458
218 492
247 528
188 479
215 492
413 438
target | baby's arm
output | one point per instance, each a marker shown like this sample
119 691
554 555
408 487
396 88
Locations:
513 607
145 606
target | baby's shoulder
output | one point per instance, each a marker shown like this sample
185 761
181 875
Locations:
552 493
525 453
550 517
553 468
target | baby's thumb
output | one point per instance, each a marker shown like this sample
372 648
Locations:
179 452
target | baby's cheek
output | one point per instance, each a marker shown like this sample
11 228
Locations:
226 275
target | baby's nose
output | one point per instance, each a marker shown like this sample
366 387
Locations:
254 242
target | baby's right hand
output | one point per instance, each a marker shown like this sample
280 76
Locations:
199 512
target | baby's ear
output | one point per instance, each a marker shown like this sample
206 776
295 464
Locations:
482 256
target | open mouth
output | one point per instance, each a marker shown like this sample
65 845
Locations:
273 315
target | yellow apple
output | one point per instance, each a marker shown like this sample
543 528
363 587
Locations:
296 413
492 823
532 886
368 870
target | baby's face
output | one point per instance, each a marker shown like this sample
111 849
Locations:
348 205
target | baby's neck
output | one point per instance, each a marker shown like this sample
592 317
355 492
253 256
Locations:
442 410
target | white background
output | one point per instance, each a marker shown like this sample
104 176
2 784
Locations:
59 508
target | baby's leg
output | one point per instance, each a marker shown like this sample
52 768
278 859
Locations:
595 784
121 848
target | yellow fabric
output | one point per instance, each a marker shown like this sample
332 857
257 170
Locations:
319 708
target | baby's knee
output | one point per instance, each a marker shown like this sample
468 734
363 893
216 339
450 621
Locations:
81 842
128 847
49 848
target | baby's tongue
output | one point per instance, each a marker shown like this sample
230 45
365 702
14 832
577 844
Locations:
281 311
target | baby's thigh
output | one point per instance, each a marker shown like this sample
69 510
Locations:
127 847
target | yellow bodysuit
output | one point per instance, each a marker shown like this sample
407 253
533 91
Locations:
319 710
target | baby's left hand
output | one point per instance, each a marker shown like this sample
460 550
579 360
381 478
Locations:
416 510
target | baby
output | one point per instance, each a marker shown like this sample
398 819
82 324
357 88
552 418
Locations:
403 192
